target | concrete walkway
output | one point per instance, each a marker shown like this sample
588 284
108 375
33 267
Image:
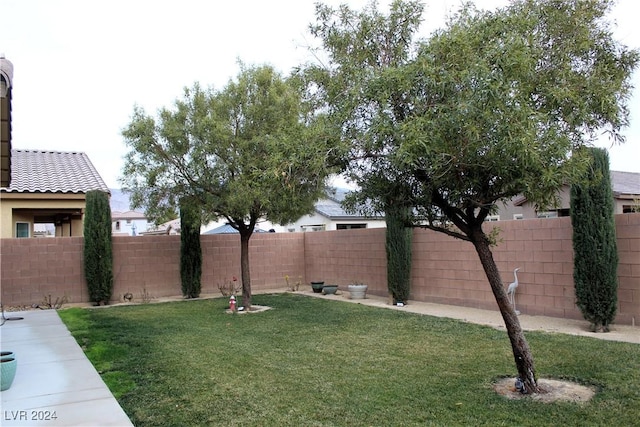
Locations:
624 333
54 378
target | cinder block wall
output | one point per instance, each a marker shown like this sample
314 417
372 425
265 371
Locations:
445 270
151 264
31 269
347 256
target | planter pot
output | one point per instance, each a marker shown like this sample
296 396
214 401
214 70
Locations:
8 367
329 289
358 291
317 287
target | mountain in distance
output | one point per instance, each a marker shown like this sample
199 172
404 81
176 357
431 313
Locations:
119 201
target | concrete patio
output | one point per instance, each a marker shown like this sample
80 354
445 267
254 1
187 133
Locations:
54 378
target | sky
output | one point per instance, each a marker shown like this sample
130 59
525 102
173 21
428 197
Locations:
81 66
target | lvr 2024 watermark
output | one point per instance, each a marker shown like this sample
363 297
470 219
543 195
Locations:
31 415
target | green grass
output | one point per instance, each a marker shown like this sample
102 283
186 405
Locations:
314 362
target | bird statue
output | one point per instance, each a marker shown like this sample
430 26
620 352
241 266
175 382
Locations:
511 290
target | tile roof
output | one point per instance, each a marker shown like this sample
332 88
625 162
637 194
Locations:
38 171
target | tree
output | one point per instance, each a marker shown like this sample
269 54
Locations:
594 243
98 251
190 249
498 105
248 152
362 47
398 247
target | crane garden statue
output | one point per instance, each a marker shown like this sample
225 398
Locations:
511 290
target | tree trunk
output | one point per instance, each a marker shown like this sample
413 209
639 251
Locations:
245 271
519 345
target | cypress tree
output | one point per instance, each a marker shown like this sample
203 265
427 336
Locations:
594 243
398 247
98 251
190 249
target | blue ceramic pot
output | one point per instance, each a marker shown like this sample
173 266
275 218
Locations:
8 367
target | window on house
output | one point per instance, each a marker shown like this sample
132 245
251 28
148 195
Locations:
117 225
518 216
548 214
630 208
22 229
492 218
349 226
128 221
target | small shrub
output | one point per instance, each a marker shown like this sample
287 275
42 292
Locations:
232 287
48 303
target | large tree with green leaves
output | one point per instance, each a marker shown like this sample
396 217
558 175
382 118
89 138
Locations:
98 249
362 46
248 152
595 260
496 105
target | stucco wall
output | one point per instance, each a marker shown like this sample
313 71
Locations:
445 270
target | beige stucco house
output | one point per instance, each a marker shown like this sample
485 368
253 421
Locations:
626 198
47 187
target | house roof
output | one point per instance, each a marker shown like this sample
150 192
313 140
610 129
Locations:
227 229
127 215
38 171
622 184
625 183
331 207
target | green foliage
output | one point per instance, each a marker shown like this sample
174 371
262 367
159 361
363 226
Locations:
190 249
98 252
502 100
493 106
313 362
250 151
398 247
594 243
367 103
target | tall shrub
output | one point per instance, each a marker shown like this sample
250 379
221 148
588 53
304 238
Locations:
398 247
190 250
594 243
98 251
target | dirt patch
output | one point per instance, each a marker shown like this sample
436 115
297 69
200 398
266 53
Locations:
552 391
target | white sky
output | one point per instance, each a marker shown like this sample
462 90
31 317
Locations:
80 66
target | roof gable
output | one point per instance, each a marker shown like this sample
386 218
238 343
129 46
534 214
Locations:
37 171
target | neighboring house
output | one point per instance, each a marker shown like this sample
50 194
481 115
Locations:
227 229
169 227
329 215
130 223
626 195
47 187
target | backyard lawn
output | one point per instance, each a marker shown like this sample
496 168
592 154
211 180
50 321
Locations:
315 362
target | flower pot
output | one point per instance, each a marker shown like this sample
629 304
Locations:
8 367
329 289
317 287
357 291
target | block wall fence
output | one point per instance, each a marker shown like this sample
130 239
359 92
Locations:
444 270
